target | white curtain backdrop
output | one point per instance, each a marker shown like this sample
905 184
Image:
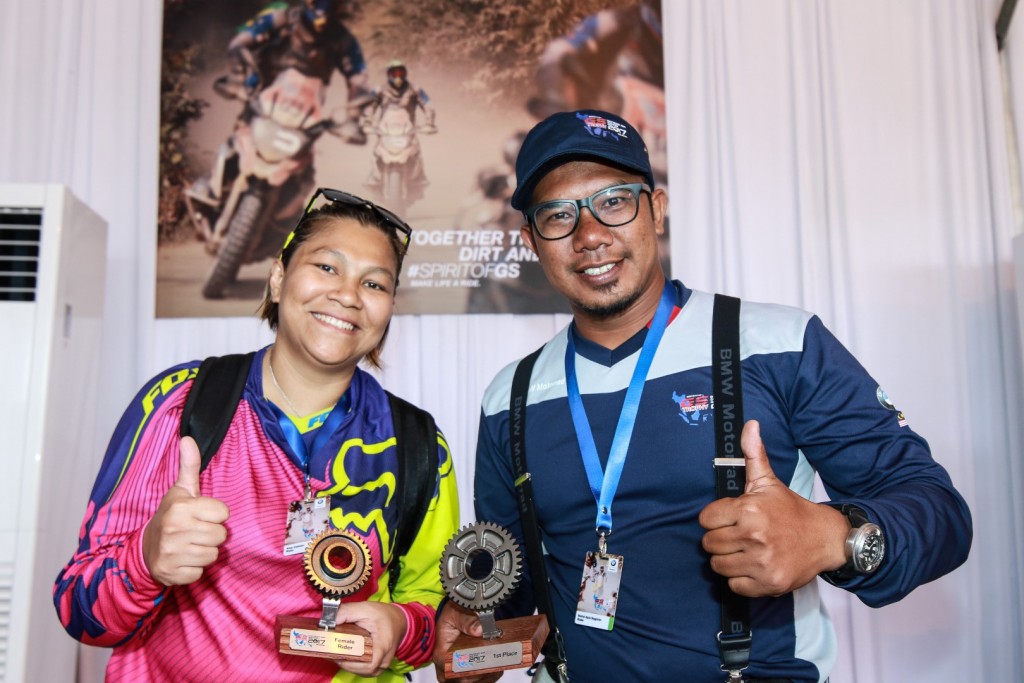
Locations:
850 157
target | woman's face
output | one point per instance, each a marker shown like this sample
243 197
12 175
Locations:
336 297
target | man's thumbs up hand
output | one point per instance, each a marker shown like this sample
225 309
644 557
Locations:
760 476
770 540
185 533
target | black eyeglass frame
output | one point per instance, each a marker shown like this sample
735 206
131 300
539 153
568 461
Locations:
587 202
342 197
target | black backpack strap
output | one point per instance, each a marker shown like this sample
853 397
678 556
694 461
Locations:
554 648
213 399
416 441
735 637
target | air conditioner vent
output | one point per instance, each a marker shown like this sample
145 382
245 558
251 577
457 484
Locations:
6 595
20 233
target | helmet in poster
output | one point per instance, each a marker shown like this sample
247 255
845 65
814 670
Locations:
319 14
397 73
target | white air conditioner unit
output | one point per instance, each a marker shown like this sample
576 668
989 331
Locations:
52 272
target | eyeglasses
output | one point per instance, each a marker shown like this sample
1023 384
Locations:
401 228
612 206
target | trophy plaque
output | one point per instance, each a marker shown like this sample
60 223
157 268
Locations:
480 568
337 564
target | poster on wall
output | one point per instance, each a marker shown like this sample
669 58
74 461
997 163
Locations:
419 107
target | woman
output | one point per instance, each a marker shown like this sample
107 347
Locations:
184 570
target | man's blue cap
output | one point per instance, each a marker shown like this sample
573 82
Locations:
584 135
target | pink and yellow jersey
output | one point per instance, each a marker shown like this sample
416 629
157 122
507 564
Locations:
224 622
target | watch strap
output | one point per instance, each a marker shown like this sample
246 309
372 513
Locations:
855 514
857 518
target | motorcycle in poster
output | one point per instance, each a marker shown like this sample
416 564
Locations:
262 175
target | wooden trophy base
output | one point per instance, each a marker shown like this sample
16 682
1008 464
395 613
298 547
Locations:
304 636
517 647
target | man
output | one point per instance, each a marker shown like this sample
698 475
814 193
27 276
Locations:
311 38
580 67
399 93
895 520
611 60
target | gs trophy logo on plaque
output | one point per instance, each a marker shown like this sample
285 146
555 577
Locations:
480 568
337 564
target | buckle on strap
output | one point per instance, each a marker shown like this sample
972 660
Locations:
734 649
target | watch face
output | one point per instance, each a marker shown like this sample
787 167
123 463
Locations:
869 548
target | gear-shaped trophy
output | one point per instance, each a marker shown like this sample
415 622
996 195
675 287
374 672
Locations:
480 569
337 564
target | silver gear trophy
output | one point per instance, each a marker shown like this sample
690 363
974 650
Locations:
480 569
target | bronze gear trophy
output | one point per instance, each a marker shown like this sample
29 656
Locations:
337 564
480 568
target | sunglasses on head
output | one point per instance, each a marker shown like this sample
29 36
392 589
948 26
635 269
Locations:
401 228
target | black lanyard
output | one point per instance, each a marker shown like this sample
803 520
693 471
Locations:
554 647
735 636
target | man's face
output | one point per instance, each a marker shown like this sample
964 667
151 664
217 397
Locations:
602 271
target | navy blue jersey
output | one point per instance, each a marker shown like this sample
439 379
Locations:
819 411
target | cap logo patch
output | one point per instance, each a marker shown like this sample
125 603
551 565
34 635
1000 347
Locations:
600 127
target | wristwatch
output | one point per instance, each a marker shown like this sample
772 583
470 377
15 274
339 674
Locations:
865 545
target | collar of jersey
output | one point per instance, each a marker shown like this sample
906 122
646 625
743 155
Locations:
608 357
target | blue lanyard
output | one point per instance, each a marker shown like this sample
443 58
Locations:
604 484
324 432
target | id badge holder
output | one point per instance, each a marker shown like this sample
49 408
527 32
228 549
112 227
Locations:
306 518
599 590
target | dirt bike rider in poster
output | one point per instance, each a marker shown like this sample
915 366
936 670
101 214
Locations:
311 38
612 60
592 66
398 91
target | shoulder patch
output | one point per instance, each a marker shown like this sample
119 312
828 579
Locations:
886 402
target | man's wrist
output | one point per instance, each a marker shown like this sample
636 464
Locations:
835 545
863 548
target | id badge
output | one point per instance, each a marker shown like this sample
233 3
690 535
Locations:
306 519
599 591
